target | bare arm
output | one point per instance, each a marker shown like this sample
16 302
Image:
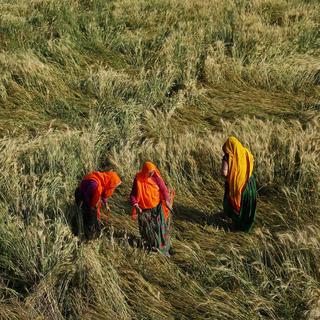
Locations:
133 194
162 187
163 190
224 167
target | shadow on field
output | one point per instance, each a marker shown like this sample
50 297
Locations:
193 215
70 213
113 226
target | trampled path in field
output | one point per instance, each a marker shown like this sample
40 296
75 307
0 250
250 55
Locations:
208 261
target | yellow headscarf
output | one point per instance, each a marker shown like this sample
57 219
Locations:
240 166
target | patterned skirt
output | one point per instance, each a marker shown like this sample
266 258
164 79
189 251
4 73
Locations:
244 219
154 229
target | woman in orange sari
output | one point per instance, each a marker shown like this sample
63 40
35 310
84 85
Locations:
93 192
240 188
151 202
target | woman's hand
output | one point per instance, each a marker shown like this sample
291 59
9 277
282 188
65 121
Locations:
104 203
168 204
138 208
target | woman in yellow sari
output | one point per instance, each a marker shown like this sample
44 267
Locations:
240 196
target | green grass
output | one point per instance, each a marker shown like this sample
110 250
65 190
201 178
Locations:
168 81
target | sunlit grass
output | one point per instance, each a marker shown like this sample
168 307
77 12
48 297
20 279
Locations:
167 81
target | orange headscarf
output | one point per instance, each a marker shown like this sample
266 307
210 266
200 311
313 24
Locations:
112 181
146 168
107 183
148 193
240 167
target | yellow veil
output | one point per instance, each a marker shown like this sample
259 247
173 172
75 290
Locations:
240 166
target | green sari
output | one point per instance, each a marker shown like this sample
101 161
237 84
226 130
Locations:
244 219
154 229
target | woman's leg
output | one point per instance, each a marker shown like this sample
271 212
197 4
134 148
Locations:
91 224
161 229
248 205
229 212
78 197
243 220
154 229
146 229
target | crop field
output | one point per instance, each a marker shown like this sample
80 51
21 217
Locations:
86 83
